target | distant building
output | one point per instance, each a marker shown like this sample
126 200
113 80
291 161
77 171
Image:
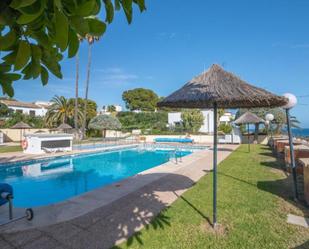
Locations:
174 118
104 110
38 108
226 118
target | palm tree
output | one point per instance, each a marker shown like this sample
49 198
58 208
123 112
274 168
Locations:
59 111
80 39
90 39
76 93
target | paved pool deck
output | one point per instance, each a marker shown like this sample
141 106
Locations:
114 213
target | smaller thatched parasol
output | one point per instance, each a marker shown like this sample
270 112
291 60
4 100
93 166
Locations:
21 126
248 118
104 122
64 126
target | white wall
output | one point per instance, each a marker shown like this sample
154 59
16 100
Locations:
174 117
207 127
25 110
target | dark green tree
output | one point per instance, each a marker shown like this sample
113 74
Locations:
140 99
15 117
5 111
34 34
143 120
111 108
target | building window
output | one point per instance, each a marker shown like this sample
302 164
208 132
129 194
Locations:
19 111
32 113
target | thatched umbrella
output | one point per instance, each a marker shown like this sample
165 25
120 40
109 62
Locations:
248 118
21 126
64 127
217 88
104 122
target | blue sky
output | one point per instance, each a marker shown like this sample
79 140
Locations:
264 42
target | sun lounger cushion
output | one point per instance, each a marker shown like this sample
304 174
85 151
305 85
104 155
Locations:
5 188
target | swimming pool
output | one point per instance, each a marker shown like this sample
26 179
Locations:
43 182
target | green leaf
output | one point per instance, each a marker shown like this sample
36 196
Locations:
31 13
127 7
36 53
21 3
10 58
23 55
141 4
73 44
85 9
11 76
96 27
4 68
62 29
35 68
7 88
7 40
25 19
50 61
109 9
117 5
27 71
41 38
80 25
44 75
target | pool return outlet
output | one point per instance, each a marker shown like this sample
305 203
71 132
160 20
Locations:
6 196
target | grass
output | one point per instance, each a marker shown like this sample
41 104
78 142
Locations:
254 199
4 149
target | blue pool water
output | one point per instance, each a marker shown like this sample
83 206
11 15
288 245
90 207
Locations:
39 183
173 140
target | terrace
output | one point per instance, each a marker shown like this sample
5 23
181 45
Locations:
127 219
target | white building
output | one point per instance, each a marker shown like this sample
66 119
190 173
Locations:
227 117
38 108
174 118
104 110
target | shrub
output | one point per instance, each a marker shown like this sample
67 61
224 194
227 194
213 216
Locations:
143 120
226 128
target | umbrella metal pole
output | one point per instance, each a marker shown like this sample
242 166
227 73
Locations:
288 121
248 137
215 165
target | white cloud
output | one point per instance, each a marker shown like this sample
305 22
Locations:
114 77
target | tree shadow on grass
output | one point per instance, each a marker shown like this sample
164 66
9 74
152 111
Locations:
303 246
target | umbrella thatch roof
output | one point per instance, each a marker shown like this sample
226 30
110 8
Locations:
224 88
248 118
104 122
21 125
64 126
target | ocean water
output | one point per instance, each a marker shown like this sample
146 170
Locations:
54 180
303 132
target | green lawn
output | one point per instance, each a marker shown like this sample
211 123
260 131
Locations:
254 199
4 149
